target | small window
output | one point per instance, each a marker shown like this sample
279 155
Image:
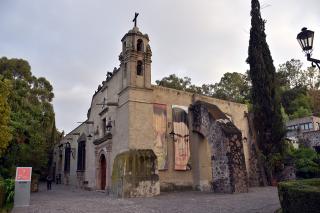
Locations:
310 125
140 45
139 68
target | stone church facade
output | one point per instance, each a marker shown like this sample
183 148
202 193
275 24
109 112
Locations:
140 139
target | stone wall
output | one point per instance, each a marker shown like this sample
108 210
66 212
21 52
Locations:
312 138
229 172
134 174
199 176
59 156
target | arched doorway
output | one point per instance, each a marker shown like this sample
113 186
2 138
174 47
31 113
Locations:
103 169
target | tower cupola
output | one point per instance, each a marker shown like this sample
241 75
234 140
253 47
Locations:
135 58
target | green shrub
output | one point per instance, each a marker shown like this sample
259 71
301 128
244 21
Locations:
306 162
300 196
9 186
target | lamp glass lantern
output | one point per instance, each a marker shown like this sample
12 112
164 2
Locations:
305 39
89 136
109 126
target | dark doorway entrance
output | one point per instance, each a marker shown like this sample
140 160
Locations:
103 166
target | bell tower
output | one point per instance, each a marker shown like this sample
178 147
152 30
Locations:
135 58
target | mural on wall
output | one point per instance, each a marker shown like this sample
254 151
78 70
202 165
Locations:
181 137
160 129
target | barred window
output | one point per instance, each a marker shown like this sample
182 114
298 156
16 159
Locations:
81 165
67 153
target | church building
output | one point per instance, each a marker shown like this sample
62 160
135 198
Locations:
140 139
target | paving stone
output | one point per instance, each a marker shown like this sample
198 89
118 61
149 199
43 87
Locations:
72 200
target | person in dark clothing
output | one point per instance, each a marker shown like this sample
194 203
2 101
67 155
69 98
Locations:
49 181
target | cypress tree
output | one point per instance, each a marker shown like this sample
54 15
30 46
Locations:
266 101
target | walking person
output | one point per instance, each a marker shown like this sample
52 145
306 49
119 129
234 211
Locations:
49 181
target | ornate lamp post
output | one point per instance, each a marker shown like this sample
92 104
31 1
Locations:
305 39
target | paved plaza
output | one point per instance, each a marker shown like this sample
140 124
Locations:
69 199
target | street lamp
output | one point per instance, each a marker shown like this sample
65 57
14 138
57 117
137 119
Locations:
305 39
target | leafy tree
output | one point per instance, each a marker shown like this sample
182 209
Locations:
300 113
315 101
284 115
296 102
207 89
312 78
233 87
5 132
184 84
174 82
31 118
291 75
266 101
306 161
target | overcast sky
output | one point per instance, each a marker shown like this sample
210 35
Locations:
73 43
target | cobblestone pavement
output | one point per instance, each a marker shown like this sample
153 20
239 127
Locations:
68 199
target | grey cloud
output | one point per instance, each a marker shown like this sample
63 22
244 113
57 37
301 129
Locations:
74 42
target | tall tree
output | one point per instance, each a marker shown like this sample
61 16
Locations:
291 75
5 132
266 102
296 102
232 87
31 118
175 82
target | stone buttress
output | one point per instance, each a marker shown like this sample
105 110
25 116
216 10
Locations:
229 173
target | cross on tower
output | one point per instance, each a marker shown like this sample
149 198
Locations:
135 19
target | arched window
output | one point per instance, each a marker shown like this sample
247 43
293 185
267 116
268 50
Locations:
81 156
139 68
140 45
67 153
81 161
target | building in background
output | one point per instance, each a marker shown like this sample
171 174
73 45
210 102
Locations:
306 129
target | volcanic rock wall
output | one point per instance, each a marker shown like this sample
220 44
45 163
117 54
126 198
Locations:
227 158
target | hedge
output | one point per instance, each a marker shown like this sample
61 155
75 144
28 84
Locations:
300 196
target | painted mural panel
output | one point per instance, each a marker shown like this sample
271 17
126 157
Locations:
181 137
160 129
